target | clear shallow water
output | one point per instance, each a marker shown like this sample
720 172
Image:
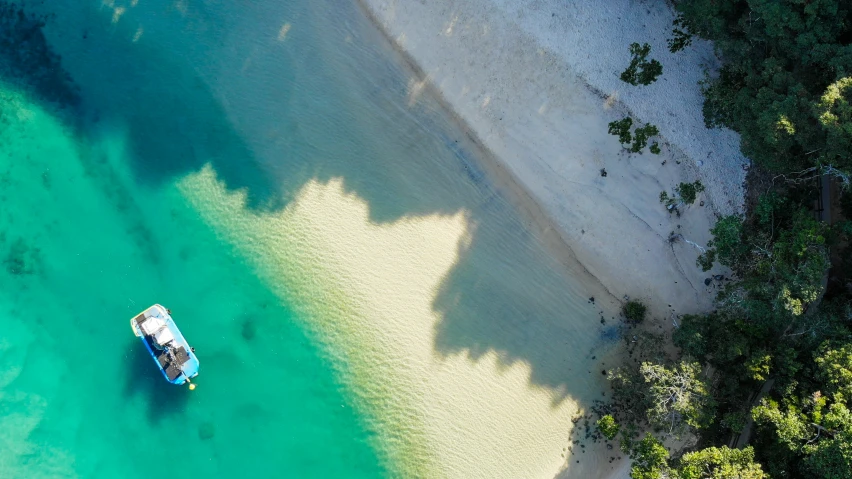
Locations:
94 227
84 248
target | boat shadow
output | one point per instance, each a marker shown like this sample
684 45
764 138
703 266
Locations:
162 398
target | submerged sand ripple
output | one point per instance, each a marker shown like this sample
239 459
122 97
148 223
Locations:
371 289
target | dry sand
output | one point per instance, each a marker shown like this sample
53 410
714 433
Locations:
537 83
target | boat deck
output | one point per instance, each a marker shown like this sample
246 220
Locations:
171 359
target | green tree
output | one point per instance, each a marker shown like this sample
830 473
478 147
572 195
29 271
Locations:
781 256
835 368
637 140
621 129
654 148
634 311
641 136
608 427
681 38
807 429
678 396
816 433
649 459
831 458
641 71
720 463
784 85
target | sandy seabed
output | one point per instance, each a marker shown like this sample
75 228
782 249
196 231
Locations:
437 415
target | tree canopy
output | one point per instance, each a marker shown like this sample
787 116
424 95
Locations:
786 83
770 368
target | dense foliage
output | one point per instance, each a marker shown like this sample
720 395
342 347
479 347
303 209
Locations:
720 463
764 382
786 84
780 349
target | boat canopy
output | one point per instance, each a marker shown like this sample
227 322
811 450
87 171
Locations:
164 336
151 325
167 346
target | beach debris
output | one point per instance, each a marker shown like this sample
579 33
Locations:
674 237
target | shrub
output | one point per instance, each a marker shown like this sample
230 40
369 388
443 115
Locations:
654 148
684 194
636 141
634 311
608 427
641 71
681 38
641 135
621 129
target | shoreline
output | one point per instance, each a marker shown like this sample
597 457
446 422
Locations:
443 75
499 174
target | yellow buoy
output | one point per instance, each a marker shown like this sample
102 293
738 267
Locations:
191 387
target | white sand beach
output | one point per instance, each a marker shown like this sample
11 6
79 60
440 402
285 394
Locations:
537 82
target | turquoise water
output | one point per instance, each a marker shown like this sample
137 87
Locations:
94 228
90 234
84 248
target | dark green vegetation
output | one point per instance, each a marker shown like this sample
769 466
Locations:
27 61
684 194
641 71
785 85
634 311
607 426
764 382
638 139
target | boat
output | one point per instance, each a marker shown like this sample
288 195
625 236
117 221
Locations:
164 341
